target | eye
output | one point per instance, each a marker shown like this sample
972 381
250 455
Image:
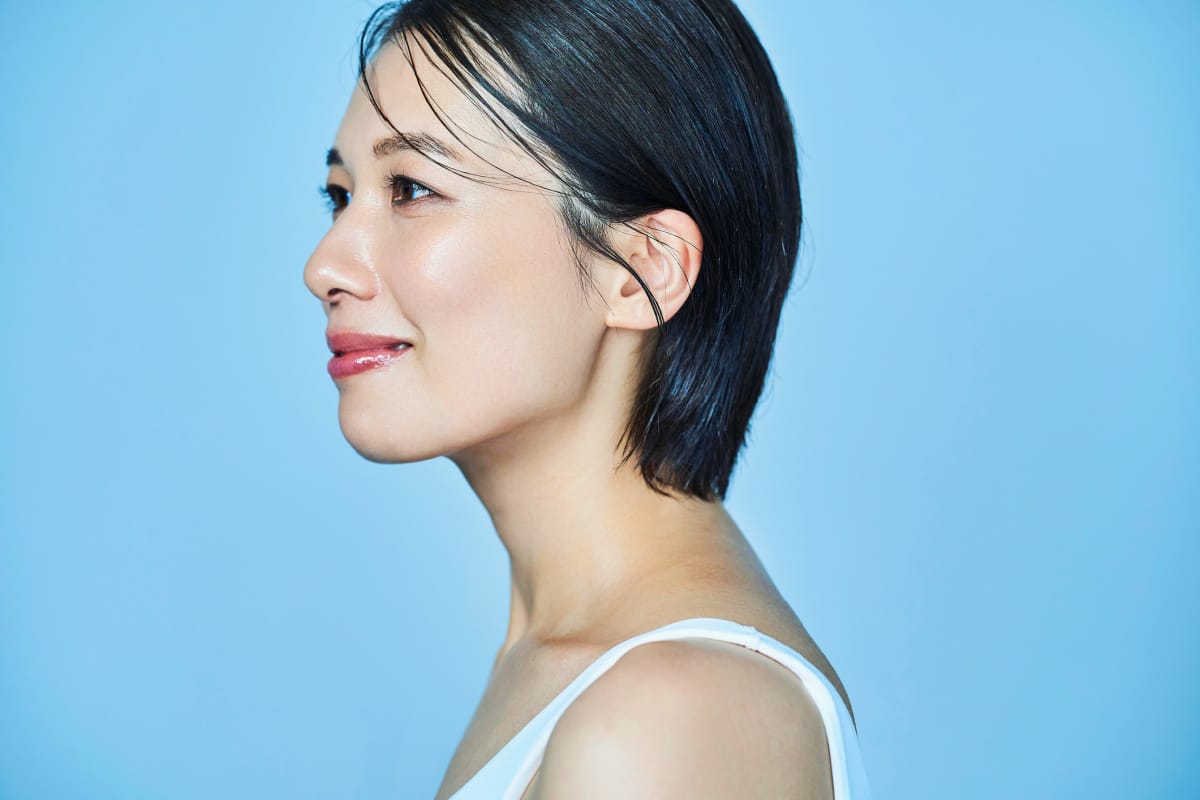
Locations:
336 197
405 190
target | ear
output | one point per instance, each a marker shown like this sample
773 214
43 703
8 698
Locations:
664 248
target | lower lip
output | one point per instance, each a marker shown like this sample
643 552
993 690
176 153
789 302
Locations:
359 361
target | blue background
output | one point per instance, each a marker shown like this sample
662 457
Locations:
976 473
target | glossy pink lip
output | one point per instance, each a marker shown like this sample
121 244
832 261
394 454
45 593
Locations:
355 353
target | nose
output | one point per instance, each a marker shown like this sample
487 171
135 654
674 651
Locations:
340 266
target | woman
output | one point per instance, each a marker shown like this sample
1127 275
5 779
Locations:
563 233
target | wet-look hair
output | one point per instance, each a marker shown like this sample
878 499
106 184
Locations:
635 106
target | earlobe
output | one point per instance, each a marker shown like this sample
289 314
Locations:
665 249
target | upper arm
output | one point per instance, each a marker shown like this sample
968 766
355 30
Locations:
689 719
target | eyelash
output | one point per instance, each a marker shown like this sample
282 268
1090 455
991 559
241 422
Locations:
337 197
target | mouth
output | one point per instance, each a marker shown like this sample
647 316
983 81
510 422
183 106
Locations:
398 347
356 353
344 343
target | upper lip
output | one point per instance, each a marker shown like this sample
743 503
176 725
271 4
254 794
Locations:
349 341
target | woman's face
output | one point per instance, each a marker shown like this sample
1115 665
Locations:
478 280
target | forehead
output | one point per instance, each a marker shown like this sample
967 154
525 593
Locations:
408 93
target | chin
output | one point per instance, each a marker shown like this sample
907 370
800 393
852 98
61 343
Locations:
385 429
383 454
384 439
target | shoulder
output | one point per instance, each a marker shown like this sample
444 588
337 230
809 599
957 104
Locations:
694 719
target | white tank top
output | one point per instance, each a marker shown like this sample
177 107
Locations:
507 775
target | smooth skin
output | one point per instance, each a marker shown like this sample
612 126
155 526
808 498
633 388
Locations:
524 376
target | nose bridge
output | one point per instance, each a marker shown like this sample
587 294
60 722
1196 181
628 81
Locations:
341 263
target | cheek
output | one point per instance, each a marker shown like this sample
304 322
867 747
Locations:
505 327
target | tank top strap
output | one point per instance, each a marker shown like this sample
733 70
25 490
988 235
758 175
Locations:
508 773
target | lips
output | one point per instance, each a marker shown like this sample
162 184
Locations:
355 353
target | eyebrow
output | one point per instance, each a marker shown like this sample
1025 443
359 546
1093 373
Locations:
423 143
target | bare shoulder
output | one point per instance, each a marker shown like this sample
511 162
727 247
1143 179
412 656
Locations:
689 718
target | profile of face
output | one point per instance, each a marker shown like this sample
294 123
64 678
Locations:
477 278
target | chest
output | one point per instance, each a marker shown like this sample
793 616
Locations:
522 684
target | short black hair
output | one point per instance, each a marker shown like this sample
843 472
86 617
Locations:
637 106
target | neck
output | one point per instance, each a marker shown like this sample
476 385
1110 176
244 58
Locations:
582 534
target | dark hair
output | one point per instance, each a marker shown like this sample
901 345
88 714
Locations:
636 106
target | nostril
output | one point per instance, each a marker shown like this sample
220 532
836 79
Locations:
334 295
